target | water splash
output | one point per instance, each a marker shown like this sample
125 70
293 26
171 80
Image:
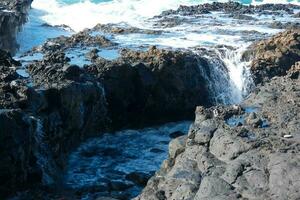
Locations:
43 154
228 74
239 72
133 12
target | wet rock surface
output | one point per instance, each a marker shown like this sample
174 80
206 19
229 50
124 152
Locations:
219 161
234 8
13 15
121 29
81 39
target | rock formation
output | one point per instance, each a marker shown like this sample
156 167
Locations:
39 126
13 14
275 56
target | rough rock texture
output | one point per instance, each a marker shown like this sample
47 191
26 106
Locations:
39 126
17 165
13 15
156 85
275 56
250 151
80 39
67 103
245 161
121 29
233 8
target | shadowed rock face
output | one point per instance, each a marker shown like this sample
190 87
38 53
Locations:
156 85
13 14
275 56
39 126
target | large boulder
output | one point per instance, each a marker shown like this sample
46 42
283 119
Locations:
74 105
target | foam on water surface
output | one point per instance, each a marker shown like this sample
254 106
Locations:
115 11
35 32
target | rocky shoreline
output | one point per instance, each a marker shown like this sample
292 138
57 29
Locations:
231 152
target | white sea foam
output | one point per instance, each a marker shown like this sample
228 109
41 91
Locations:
86 14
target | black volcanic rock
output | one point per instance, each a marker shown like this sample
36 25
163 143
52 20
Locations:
242 151
81 39
42 124
156 85
13 14
121 29
231 8
17 164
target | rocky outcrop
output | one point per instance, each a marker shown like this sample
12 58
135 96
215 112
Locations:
275 56
13 15
254 158
39 126
247 151
121 29
233 8
156 85
18 165
81 39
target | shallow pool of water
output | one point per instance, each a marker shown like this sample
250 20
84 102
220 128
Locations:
107 164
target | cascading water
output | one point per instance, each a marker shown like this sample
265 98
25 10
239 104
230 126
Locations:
42 153
228 74
240 81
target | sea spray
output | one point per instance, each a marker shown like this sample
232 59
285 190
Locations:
239 72
226 72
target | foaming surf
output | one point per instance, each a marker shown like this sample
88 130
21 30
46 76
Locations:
86 14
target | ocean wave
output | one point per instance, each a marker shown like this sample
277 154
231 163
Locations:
86 14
